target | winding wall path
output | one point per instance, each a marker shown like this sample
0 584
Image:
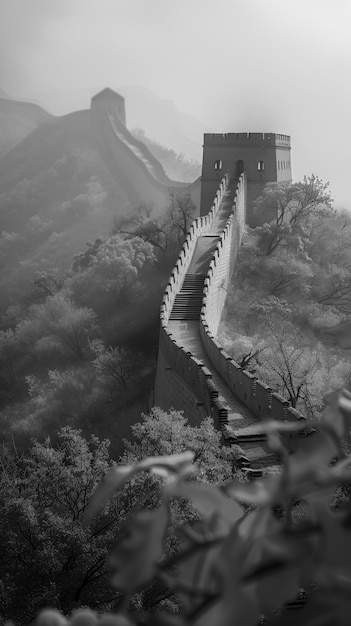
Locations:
130 162
194 372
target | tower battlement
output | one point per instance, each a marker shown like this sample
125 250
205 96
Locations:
264 157
246 139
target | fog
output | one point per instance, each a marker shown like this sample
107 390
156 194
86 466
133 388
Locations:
247 65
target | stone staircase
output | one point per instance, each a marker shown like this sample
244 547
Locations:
184 323
188 301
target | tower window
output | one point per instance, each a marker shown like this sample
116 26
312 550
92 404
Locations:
260 166
218 165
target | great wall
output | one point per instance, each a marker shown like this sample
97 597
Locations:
194 373
140 174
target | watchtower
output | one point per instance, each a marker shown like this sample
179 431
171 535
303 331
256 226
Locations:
110 102
264 157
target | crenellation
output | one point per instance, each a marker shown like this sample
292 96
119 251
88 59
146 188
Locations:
242 139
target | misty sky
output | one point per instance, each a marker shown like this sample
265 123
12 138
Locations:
256 65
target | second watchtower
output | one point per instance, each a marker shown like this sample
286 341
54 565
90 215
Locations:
264 157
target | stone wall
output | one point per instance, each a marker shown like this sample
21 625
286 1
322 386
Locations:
197 394
182 381
130 162
255 394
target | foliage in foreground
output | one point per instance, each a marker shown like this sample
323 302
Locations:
240 561
48 557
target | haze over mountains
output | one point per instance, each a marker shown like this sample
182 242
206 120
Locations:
56 192
159 118
17 119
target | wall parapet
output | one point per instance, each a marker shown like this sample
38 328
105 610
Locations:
200 226
158 175
197 377
255 394
246 139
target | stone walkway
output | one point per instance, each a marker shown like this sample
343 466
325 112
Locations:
186 331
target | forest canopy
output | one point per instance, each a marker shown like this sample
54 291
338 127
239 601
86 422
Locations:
292 283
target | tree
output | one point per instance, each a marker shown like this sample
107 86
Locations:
115 367
299 370
165 231
111 270
144 224
280 274
289 366
11 357
48 557
162 433
50 282
271 313
245 350
61 397
61 320
182 213
291 206
332 287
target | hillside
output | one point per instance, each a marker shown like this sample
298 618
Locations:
160 119
163 122
55 194
290 296
17 120
176 166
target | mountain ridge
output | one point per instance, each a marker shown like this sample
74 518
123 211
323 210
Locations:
17 120
160 118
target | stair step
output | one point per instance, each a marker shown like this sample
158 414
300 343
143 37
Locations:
249 438
187 306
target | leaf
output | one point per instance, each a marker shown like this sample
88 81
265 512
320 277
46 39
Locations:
258 493
209 500
337 413
285 547
323 608
342 468
313 455
50 617
238 604
135 556
279 563
113 481
345 404
175 463
336 546
120 474
277 586
198 572
273 426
